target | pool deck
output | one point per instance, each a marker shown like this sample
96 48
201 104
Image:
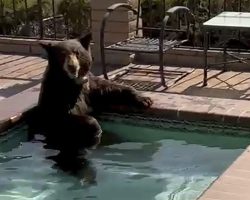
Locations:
225 101
20 76
234 183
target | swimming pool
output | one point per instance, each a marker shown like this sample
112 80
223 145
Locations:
136 162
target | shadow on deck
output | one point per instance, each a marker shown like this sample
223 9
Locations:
20 72
187 81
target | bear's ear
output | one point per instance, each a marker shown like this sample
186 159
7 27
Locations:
53 51
85 40
47 46
50 47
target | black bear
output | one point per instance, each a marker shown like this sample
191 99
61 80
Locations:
70 93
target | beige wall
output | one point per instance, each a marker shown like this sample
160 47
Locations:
23 46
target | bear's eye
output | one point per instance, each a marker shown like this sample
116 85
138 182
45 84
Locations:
77 53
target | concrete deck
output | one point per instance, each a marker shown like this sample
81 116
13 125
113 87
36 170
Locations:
233 184
19 72
224 100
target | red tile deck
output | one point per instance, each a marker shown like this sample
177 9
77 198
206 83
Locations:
233 184
19 72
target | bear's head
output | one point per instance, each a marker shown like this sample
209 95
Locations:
71 57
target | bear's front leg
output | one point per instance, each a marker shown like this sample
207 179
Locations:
107 93
72 133
85 130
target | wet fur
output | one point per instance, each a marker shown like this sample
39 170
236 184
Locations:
65 107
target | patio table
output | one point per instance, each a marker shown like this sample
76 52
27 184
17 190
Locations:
226 20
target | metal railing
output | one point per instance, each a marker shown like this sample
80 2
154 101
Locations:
60 19
44 19
203 10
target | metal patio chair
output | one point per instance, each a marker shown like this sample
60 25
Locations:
175 27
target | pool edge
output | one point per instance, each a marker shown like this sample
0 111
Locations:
13 109
233 183
170 106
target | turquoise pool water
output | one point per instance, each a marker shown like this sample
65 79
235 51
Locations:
132 163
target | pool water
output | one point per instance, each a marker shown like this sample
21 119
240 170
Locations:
132 163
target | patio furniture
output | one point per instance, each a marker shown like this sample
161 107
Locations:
239 21
173 30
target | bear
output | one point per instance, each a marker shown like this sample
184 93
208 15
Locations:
70 95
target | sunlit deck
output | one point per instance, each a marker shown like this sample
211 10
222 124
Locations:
19 72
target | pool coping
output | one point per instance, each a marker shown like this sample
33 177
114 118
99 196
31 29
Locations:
233 183
170 106
13 108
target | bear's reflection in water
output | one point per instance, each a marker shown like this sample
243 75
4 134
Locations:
76 162
70 160
77 166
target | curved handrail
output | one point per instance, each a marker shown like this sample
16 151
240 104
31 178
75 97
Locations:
110 9
119 5
177 8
